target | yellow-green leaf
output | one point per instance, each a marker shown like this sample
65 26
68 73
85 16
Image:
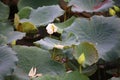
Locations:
26 27
112 12
81 59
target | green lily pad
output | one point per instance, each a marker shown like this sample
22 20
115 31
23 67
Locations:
35 57
7 61
113 54
19 74
36 3
4 12
65 24
6 29
90 52
44 15
46 77
3 39
90 5
25 12
101 31
49 43
89 71
67 76
74 76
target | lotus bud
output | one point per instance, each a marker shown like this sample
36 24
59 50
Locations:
116 8
112 12
81 59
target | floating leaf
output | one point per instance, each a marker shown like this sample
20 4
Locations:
6 29
4 11
89 71
64 24
67 76
90 5
46 77
87 53
113 54
25 12
75 75
101 31
19 74
50 43
35 57
3 39
36 3
7 61
44 15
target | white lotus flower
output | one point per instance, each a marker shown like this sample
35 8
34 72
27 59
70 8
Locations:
51 28
32 73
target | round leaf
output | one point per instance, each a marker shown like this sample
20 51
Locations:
50 43
25 12
3 39
89 51
65 24
6 29
90 5
46 77
7 61
4 11
35 57
74 76
36 3
44 15
67 76
102 31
